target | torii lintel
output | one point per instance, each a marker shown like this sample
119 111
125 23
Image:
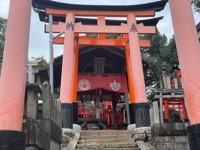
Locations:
82 40
123 29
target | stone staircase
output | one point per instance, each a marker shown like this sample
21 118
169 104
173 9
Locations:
107 140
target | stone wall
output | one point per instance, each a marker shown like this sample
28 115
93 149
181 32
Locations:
171 142
170 136
42 121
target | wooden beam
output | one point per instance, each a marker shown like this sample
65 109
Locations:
102 42
55 12
111 49
122 29
86 50
57 28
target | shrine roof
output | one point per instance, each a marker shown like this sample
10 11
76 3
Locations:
147 22
43 4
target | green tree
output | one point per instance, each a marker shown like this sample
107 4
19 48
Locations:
196 4
151 57
42 63
3 24
90 35
169 54
161 53
108 36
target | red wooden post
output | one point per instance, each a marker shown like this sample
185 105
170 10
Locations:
13 75
75 81
138 77
67 73
189 58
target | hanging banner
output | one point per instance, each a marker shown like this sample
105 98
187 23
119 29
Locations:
107 82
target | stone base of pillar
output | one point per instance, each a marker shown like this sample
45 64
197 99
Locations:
139 114
142 117
12 140
193 132
67 115
75 113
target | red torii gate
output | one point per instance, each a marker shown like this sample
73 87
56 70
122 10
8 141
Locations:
133 60
101 40
13 77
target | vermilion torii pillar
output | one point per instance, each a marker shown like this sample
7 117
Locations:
13 75
67 73
129 71
130 81
140 107
75 81
188 48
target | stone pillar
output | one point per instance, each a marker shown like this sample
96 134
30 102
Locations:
13 75
31 71
139 110
67 73
47 102
75 81
188 48
32 100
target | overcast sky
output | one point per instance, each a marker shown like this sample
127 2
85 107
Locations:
38 44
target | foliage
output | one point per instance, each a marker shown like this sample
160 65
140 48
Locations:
169 54
92 35
3 24
196 4
161 54
42 63
113 36
108 36
57 92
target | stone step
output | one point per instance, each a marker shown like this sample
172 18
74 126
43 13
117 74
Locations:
106 136
107 145
133 148
105 132
107 140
